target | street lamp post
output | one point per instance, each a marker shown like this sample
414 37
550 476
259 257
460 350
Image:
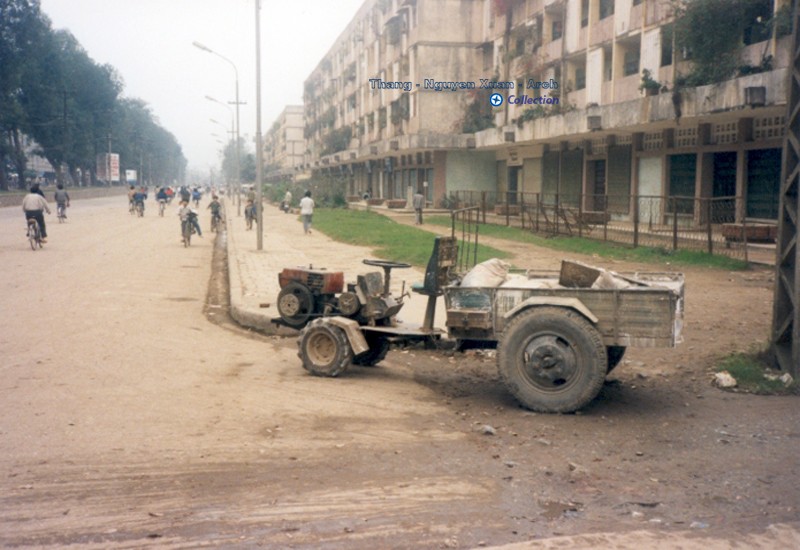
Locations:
238 161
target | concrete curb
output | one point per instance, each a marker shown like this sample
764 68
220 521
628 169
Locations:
245 316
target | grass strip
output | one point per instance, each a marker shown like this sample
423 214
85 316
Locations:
388 239
608 250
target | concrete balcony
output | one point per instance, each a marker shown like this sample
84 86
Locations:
637 114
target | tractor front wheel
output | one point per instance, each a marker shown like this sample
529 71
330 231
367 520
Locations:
324 349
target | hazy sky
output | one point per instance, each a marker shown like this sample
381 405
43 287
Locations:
149 42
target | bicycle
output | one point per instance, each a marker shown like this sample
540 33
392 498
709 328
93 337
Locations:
187 229
34 234
249 217
131 208
140 209
62 213
162 204
216 222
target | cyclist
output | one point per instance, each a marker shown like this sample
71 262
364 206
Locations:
139 197
249 213
34 205
216 209
196 194
62 200
131 193
170 193
188 214
162 199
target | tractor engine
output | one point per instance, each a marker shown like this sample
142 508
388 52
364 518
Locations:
307 293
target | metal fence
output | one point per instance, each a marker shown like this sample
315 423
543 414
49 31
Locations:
669 222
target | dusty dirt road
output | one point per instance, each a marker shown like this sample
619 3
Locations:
133 414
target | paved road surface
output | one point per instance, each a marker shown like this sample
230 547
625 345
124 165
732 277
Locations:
128 419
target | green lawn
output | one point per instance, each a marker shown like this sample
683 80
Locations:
389 240
604 249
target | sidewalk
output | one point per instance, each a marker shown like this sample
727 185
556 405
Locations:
253 274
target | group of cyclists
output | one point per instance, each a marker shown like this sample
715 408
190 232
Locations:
34 206
187 214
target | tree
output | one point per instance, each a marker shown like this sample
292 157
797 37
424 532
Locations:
21 29
51 90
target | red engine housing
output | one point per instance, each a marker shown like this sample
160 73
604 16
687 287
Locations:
318 281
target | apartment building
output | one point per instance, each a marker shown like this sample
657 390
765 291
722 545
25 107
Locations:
369 116
284 144
594 108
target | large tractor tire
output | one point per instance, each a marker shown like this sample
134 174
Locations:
378 348
324 349
552 359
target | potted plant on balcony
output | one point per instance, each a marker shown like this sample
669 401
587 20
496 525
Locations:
649 85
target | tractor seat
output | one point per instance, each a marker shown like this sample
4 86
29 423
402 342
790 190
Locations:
370 284
438 273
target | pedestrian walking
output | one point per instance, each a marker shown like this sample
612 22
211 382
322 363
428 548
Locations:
418 203
306 211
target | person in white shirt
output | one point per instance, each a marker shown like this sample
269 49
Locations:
306 211
418 203
34 205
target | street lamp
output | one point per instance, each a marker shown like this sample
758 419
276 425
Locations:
238 164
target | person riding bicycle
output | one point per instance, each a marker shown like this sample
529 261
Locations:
62 200
34 205
216 209
139 197
162 198
196 195
188 215
249 213
131 193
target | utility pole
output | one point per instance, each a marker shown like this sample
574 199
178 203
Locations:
785 338
108 160
259 152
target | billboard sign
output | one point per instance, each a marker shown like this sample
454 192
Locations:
104 161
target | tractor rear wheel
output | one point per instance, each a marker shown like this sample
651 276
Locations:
378 348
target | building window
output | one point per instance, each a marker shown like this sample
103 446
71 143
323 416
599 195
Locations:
631 63
558 30
580 78
606 8
666 45
584 13
488 56
520 47
757 27
637 2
